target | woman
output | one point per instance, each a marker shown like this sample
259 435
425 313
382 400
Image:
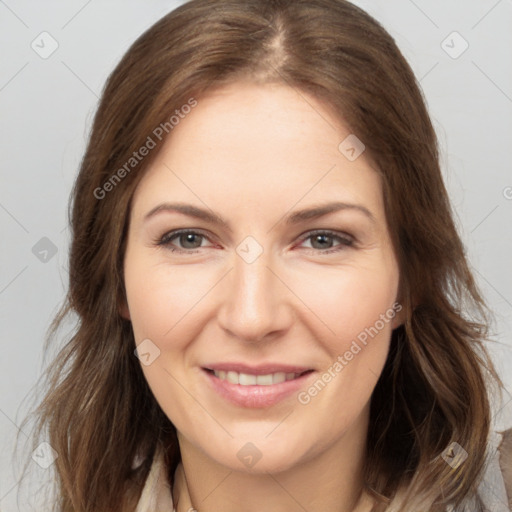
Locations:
319 345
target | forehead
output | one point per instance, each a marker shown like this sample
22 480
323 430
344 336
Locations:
251 146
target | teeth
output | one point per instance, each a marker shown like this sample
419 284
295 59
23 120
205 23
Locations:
232 377
246 379
264 380
278 377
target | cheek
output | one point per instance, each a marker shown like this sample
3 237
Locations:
359 305
162 302
159 297
163 299
350 299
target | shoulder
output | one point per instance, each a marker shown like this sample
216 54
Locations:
496 486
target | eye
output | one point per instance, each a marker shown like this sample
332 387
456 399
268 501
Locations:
323 240
188 239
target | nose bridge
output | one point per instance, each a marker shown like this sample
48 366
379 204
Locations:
255 301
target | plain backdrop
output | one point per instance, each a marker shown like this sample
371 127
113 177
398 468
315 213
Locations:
56 57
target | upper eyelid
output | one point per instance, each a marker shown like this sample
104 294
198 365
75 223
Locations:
184 231
331 232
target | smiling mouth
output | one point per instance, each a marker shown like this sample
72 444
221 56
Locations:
247 379
256 387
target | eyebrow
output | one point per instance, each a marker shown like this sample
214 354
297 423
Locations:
294 218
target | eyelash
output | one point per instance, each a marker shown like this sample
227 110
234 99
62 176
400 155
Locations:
165 240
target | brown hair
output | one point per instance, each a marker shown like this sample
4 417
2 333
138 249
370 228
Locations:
99 413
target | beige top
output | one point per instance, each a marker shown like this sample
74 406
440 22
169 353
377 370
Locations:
157 496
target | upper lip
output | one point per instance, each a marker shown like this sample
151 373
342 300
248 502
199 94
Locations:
261 369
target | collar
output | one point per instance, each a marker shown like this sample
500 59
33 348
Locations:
156 494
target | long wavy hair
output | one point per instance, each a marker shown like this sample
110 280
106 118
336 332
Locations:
98 412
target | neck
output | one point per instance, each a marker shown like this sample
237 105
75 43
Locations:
331 480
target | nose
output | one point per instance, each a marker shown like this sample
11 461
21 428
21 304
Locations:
256 304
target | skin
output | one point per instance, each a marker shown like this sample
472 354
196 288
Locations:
254 154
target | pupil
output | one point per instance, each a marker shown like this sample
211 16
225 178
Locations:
322 238
189 238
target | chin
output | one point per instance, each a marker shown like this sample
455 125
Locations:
262 453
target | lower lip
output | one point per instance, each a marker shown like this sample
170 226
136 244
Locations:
255 396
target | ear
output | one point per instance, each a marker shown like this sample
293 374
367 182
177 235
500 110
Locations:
123 309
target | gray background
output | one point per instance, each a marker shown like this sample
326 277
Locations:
47 106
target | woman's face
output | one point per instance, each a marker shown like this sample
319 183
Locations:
264 327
